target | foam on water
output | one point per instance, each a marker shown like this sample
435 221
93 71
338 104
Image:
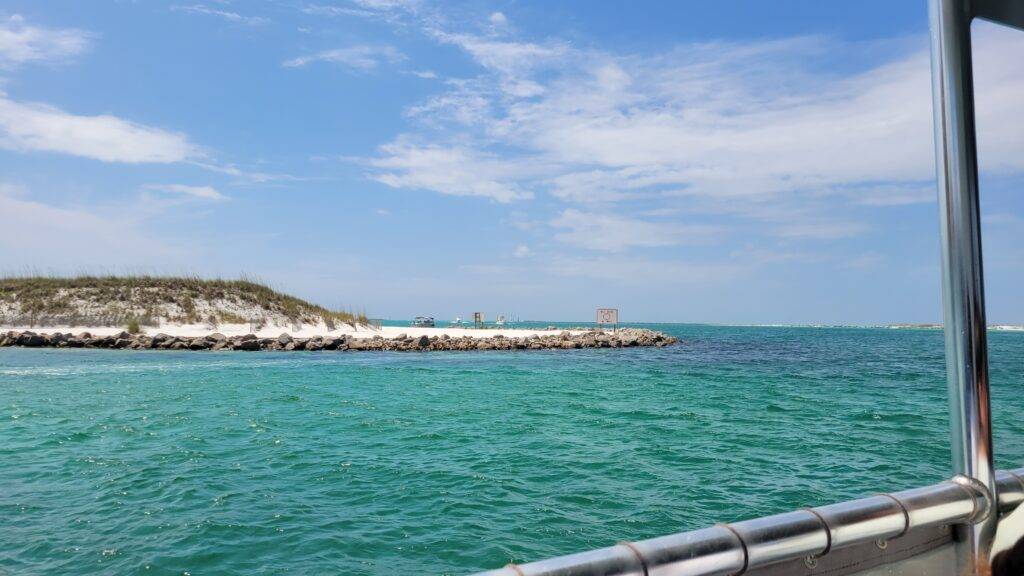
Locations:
388 463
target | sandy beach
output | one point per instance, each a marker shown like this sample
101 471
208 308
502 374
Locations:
306 331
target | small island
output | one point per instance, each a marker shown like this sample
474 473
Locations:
187 313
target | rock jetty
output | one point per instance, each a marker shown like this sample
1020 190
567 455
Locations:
625 338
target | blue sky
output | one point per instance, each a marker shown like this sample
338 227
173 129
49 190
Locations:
737 162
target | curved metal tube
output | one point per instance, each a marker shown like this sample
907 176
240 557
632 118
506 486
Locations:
732 549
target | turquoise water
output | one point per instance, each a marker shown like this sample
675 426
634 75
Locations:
119 462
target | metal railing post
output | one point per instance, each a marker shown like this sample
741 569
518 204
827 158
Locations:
962 282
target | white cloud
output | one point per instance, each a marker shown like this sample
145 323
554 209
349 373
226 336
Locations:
758 120
22 43
387 10
647 272
522 251
497 19
34 127
447 170
233 17
200 192
512 62
363 57
245 176
894 195
614 233
768 140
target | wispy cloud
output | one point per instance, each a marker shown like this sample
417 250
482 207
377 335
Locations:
894 195
35 127
512 62
498 19
647 271
198 192
762 125
245 176
448 170
22 43
387 10
616 233
233 17
361 57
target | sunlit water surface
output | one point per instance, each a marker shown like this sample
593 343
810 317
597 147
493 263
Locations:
119 462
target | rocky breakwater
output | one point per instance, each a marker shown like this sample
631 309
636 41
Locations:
625 338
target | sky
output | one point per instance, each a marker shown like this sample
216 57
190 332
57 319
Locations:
685 161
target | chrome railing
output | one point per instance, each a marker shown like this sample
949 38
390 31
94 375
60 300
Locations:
809 534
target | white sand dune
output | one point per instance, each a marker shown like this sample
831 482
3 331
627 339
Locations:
306 331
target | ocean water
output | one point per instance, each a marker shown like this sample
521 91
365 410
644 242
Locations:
117 462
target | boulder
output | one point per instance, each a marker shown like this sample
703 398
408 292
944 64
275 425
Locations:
31 339
247 345
103 342
284 339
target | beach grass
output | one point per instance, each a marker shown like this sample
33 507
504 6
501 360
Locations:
145 299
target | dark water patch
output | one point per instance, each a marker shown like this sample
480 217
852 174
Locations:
386 463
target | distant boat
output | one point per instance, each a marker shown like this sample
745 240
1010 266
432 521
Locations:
423 321
500 321
457 322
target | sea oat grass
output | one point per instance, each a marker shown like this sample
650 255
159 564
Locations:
116 300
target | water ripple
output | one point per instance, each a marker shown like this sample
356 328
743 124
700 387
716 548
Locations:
388 463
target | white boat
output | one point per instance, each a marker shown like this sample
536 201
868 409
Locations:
423 321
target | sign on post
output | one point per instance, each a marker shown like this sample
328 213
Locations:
478 319
608 316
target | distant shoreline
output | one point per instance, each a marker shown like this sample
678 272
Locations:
991 327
